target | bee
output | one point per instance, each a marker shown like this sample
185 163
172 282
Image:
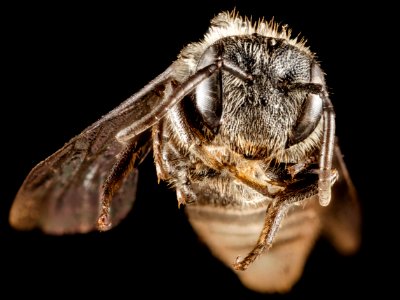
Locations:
242 127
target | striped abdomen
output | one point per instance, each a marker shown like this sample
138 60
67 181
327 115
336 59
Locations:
233 232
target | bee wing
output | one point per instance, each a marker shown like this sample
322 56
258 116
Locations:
341 220
62 193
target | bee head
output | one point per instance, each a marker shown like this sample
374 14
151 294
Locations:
279 108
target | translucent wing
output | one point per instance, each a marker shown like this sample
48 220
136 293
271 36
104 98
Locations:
61 194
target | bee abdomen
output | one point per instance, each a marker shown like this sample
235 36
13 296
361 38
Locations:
230 233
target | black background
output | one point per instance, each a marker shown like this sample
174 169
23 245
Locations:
65 66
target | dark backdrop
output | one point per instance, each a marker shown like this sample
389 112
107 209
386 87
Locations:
68 65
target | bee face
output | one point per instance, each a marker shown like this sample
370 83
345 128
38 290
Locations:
257 118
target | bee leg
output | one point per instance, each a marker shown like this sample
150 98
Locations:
185 195
181 197
129 158
295 169
166 157
158 149
295 192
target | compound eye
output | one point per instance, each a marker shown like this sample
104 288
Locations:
311 110
209 92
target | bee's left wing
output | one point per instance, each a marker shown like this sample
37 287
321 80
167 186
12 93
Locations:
62 193
341 219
